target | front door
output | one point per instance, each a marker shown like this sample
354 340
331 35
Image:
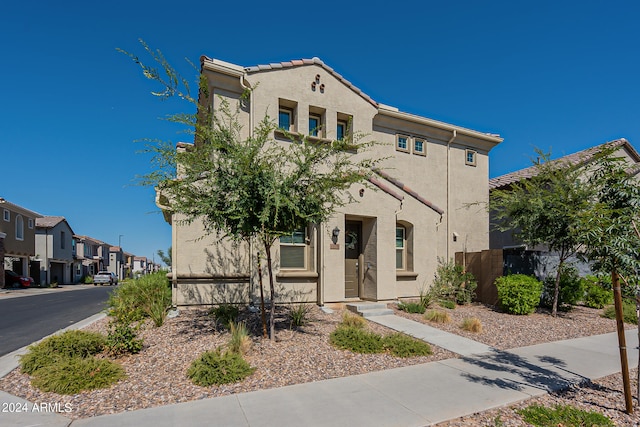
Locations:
352 252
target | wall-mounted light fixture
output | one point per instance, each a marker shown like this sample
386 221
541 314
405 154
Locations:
362 192
334 235
455 236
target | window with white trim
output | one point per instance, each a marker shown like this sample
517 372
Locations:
287 115
402 143
420 146
317 122
30 223
7 215
470 157
293 250
401 247
19 227
343 126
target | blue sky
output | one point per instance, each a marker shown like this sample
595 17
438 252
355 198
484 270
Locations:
561 76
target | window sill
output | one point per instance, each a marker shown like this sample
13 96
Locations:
297 274
406 274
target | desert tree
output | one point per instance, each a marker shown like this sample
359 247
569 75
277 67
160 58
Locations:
253 187
544 209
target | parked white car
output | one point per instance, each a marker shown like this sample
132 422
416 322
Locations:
105 278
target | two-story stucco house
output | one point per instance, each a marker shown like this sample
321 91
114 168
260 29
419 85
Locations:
17 239
384 246
54 245
91 256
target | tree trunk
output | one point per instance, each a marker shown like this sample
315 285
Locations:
262 310
272 315
622 342
556 292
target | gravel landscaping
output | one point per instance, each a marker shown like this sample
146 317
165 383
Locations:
157 375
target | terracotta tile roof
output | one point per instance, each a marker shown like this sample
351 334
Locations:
312 61
375 181
580 157
409 191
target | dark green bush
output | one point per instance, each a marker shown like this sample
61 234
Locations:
518 294
356 339
75 374
122 339
217 368
411 307
571 289
70 344
452 283
225 314
629 314
562 415
149 296
401 345
447 304
597 294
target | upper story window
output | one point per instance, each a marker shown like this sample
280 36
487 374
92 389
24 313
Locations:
19 227
470 157
30 223
293 250
316 122
287 115
62 239
343 126
341 130
419 146
402 143
7 215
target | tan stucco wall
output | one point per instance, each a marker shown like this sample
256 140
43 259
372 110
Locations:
441 177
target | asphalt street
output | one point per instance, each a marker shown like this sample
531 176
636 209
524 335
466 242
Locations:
31 318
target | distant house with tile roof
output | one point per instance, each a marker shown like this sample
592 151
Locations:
17 238
384 246
55 247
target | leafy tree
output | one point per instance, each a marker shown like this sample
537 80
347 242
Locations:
165 258
609 236
248 187
545 209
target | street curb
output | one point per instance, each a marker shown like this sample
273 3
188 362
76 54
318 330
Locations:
11 361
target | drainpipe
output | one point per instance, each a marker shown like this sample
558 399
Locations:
455 134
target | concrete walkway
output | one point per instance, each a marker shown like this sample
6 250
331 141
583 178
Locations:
483 378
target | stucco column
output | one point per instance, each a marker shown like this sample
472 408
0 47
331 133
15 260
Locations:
2 237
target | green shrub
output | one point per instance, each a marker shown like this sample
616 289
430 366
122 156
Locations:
452 283
597 294
74 374
427 296
225 314
437 316
87 280
299 314
571 289
629 314
240 342
411 307
353 320
76 344
451 305
518 294
217 368
562 415
401 345
356 339
149 296
122 339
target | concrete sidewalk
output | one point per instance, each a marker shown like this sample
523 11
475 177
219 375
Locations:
418 395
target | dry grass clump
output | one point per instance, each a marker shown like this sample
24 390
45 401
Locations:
471 324
437 316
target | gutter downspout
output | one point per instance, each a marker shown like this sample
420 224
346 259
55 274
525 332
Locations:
448 213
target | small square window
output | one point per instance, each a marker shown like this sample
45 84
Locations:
402 143
7 215
470 157
419 146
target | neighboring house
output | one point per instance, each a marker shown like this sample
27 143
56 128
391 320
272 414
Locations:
17 239
429 203
54 245
116 261
518 257
90 256
140 265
